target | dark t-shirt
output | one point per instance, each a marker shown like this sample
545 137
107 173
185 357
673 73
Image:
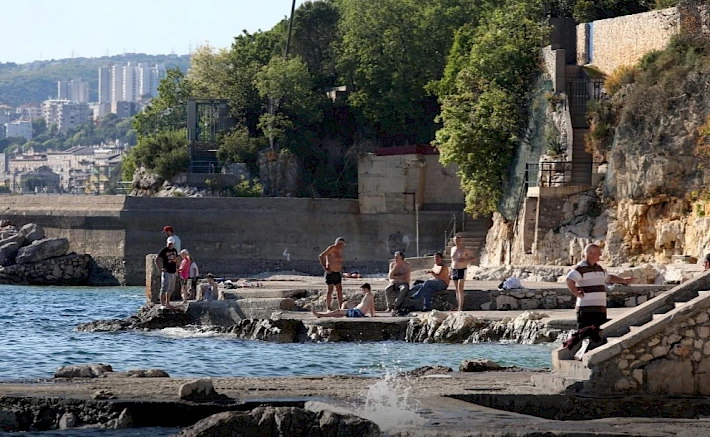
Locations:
169 257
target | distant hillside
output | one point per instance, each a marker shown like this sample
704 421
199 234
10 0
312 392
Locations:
36 81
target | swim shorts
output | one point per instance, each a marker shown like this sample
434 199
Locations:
333 278
457 274
355 312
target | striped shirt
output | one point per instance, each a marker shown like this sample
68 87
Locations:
591 280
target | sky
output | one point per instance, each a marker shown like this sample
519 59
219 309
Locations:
55 29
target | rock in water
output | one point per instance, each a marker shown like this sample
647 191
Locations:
7 251
42 249
83 371
478 366
32 232
8 421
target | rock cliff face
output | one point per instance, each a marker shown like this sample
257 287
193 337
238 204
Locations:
652 203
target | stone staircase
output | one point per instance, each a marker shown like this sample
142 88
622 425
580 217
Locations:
581 159
474 237
658 347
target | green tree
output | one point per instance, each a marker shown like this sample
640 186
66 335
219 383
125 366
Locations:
39 126
239 146
210 72
316 38
169 110
483 118
390 50
165 153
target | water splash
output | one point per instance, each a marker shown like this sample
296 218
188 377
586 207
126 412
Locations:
388 404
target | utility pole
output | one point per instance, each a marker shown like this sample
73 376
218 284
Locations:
290 26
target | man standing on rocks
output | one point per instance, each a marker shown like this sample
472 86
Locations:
168 232
332 261
167 264
461 257
399 277
587 282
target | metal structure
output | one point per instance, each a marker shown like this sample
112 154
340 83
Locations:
207 119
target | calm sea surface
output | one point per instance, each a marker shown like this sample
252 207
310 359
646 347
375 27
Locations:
37 335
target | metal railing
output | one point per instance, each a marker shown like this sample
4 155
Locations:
456 224
548 174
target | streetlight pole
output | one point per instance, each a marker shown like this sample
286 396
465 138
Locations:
290 26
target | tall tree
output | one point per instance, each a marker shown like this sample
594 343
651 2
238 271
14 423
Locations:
484 116
315 39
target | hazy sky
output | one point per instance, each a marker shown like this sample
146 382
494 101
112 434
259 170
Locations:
53 29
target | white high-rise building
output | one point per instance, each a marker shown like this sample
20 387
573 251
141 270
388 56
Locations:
117 83
104 84
130 83
75 90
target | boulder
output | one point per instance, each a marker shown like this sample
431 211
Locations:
478 366
198 390
147 373
8 251
282 421
17 238
8 421
124 420
67 421
42 249
83 371
32 232
426 371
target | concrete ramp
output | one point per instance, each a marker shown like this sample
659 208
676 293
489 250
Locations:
659 347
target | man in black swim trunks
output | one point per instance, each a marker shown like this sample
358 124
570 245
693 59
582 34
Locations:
332 261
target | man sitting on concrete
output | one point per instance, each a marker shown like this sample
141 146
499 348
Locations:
399 276
367 305
438 282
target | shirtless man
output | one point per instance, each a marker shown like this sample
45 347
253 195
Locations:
367 305
439 281
461 257
399 277
332 261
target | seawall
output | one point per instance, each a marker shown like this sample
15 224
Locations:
226 236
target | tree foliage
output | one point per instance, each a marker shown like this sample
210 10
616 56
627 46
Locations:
483 118
165 153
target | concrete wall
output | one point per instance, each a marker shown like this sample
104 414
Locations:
227 236
393 183
611 43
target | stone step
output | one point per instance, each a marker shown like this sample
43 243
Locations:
285 304
258 293
574 369
482 232
229 312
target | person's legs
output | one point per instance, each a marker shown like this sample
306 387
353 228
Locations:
403 290
430 287
390 297
459 293
329 296
170 281
184 290
336 313
587 318
164 288
339 289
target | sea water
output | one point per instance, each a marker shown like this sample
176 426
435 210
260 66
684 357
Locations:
37 335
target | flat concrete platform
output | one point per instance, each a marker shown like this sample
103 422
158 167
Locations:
431 400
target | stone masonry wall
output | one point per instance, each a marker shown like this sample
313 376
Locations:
227 236
624 40
676 361
69 269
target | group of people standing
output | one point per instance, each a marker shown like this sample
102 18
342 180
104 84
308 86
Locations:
399 279
177 267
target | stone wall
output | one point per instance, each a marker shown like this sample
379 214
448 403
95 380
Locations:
611 43
227 236
394 183
69 269
675 361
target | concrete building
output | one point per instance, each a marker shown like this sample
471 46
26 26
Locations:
4 116
104 84
124 109
19 128
130 82
65 114
116 83
100 110
74 90
30 112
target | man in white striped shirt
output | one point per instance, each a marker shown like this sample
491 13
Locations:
587 282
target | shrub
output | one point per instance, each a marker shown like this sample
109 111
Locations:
622 76
246 189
